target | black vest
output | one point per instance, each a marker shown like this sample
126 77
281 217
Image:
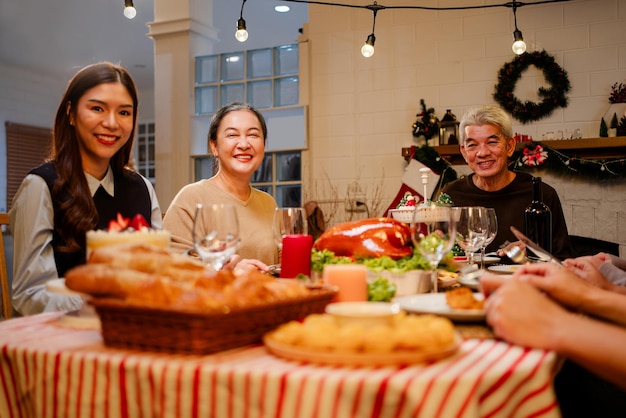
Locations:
131 197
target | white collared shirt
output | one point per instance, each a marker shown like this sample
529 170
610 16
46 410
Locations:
32 224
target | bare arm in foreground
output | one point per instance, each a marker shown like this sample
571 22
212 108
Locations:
521 314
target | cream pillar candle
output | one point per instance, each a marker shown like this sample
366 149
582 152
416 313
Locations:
351 279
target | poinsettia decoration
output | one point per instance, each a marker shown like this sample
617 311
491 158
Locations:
137 223
534 157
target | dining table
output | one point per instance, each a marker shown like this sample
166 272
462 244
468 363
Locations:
51 367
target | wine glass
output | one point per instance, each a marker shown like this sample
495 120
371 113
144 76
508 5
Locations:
471 230
492 231
433 234
215 233
289 221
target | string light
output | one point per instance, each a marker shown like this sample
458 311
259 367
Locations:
242 34
129 9
558 162
367 50
519 46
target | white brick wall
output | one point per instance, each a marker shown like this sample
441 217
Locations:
362 109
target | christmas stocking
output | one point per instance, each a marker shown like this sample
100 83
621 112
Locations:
412 181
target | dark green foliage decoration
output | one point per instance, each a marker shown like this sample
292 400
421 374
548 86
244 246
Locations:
614 122
553 97
557 163
621 128
604 130
427 124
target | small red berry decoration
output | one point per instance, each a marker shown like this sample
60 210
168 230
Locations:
138 223
121 223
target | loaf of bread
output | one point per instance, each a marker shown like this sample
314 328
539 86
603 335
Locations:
144 275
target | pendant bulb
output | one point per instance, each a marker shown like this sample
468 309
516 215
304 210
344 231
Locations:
367 50
519 46
242 34
129 9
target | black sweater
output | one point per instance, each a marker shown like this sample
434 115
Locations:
131 197
510 203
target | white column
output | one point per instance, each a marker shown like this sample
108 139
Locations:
182 30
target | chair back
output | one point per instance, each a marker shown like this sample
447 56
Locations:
4 276
315 219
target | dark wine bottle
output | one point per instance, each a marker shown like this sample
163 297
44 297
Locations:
538 218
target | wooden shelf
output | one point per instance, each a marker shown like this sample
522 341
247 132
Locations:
593 148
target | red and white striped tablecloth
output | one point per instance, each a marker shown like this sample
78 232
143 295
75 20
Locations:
47 370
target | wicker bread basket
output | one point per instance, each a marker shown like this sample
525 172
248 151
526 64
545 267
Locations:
192 332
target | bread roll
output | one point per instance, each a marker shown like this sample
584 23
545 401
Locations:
143 275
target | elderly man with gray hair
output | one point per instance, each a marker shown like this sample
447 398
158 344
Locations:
487 143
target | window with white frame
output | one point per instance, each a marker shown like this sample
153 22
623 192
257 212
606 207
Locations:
264 78
268 80
144 150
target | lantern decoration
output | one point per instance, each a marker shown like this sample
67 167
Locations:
448 129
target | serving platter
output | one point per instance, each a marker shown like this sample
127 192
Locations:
435 303
334 358
505 268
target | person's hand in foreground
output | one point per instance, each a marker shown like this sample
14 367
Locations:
244 264
568 289
587 268
522 314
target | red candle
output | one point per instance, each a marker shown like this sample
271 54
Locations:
296 255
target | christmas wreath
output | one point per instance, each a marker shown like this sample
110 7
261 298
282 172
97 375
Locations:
427 124
553 97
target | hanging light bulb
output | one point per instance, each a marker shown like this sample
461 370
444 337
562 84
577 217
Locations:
367 50
129 10
242 34
519 46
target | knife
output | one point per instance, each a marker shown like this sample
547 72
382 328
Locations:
539 252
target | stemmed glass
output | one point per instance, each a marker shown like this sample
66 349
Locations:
433 235
471 230
215 233
288 221
492 230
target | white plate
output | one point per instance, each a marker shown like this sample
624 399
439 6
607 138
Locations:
505 269
488 259
471 283
435 303
84 318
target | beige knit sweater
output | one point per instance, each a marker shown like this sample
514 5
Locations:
255 219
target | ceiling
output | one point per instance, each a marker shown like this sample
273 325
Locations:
57 37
